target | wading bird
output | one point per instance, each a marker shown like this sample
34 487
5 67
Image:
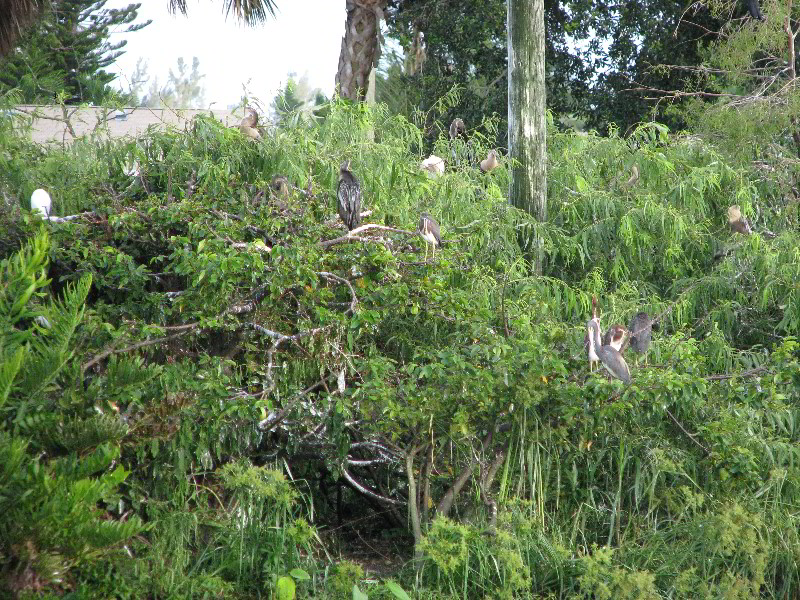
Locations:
433 165
737 222
248 124
610 358
614 337
428 230
280 185
490 163
349 193
587 342
641 330
41 202
457 128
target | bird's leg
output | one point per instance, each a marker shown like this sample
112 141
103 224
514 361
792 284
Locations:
426 250
433 258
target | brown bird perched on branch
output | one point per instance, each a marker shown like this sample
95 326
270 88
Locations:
349 194
490 163
737 222
280 186
614 337
248 124
428 230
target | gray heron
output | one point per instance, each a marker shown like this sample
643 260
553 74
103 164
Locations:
610 358
349 194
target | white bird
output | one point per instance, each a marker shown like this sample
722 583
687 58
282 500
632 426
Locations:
40 202
433 164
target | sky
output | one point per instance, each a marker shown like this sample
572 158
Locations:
304 38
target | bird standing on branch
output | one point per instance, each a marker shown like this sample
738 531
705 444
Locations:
737 222
457 128
349 194
587 341
614 337
611 358
641 331
754 10
248 124
428 230
490 163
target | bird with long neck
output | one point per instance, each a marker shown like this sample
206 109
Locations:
609 357
428 229
587 343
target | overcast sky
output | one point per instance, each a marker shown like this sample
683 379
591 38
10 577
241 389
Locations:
304 37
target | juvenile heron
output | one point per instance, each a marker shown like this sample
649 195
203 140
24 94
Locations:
41 202
610 358
428 230
614 337
641 330
587 342
349 193
248 124
490 163
457 128
737 222
280 185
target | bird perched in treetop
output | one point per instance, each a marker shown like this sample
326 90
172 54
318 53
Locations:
587 342
737 222
248 124
428 229
433 165
349 194
610 358
457 128
754 10
41 202
280 185
641 331
490 163
614 337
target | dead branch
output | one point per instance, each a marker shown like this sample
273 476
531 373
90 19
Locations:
351 235
336 278
135 346
683 429
360 487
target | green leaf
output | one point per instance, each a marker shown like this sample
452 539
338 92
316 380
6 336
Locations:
397 591
358 594
300 574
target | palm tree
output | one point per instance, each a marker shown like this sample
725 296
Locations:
360 44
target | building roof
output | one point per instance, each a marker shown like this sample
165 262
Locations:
53 124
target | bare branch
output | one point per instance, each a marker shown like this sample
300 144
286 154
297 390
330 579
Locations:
333 277
366 491
353 234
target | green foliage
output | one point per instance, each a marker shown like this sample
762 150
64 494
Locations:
59 481
64 55
258 386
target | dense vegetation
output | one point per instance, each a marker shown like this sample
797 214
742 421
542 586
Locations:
225 391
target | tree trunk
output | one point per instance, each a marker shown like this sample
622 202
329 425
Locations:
527 127
360 47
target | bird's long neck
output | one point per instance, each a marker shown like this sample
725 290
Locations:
595 337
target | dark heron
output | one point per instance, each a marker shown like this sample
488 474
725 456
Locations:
428 230
349 193
641 330
610 358
737 222
457 128
587 342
